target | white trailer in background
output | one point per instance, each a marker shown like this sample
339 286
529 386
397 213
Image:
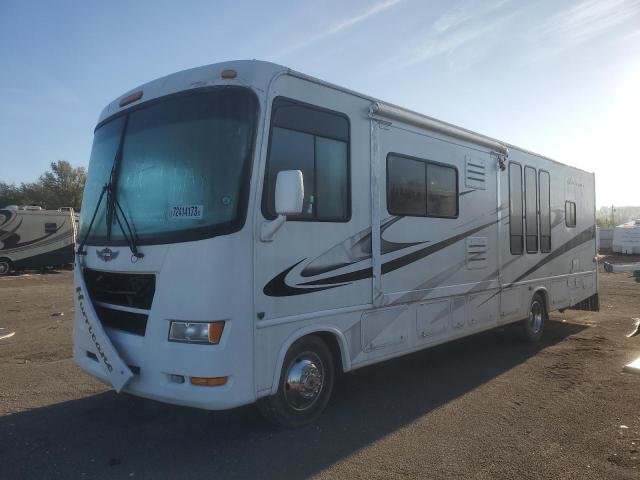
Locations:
32 238
626 238
248 230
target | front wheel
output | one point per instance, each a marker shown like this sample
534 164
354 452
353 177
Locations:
306 383
533 325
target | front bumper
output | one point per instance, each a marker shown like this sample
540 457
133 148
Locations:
154 369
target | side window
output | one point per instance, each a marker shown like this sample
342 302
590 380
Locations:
50 227
316 142
442 191
531 209
545 211
419 188
406 186
515 209
570 214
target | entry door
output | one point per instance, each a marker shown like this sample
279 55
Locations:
320 259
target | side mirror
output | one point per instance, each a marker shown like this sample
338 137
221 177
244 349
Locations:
289 198
289 192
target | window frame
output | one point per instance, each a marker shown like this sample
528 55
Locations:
522 230
536 210
426 162
264 207
575 214
540 172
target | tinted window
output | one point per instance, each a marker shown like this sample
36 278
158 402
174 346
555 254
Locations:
332 179
531 209
545 212
406 186
515 208
315 142
570 214
442 191
291 150
417 187
50 228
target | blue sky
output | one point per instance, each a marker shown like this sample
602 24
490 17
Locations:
561 78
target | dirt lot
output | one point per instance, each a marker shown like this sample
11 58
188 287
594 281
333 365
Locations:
482 407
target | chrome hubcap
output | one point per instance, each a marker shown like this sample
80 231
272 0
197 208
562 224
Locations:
304 381
4 268
535 316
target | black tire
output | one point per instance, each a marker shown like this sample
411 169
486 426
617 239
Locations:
6 267
533 326
290 407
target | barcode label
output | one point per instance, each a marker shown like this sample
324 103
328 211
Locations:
185 211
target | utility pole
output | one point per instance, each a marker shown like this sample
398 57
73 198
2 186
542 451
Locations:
613 217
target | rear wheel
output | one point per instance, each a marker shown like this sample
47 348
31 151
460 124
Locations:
6 267
533 325
306 383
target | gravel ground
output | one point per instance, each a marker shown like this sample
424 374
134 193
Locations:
482 407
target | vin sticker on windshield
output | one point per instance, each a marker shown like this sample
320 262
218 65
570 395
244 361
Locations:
185 211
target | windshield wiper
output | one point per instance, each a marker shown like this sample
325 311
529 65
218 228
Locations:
81 250
130 238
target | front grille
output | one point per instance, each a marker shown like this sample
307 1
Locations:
126 289
135 323
133 290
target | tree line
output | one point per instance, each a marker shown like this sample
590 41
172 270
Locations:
60 186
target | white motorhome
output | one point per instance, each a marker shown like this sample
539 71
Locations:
31 237
248 230
626 238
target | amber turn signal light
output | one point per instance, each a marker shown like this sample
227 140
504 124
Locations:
215 331
134 97
208 381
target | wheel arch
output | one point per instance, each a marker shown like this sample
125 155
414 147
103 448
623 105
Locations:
334 339
544 293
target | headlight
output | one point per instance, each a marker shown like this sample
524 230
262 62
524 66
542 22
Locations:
196 332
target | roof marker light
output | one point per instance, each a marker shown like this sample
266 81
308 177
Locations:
134 97
229 74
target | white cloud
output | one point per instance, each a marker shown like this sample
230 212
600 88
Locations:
465 34
463 13
340 26
579 24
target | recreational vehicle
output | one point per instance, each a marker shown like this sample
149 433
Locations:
626 238
248 231
31 238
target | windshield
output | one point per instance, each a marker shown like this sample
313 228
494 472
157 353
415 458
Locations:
183 173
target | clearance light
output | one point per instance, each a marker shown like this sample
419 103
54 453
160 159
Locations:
229 74
209 381
196 332
134 97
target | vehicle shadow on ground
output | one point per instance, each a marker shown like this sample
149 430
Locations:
109 435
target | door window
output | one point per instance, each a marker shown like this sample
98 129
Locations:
316 142
531 209
515 209
545 211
